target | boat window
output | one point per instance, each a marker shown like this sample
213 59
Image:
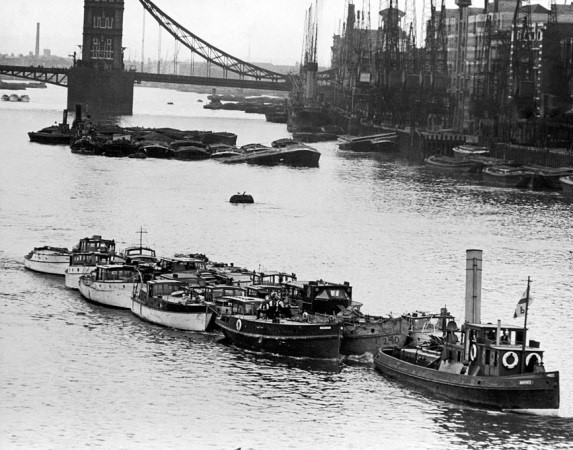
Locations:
488 359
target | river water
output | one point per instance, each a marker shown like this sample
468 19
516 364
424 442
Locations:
74 374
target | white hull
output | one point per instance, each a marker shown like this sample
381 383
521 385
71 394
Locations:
178 320
109 293
73 274
53 264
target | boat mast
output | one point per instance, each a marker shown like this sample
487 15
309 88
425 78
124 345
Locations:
525 326
141 232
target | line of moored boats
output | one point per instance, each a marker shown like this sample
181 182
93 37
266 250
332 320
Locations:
169 143
15 98
273 311
504 173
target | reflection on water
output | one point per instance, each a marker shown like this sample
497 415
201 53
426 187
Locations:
75 373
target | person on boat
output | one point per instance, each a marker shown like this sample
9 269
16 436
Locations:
283 308
504 338
272 311
263 309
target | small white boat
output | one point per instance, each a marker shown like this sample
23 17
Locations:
53 260
24 98
172 304
13 97
110 285
83 263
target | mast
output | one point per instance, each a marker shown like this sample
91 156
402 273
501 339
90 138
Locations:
141 232
525 326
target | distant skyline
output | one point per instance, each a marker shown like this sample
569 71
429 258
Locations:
269 31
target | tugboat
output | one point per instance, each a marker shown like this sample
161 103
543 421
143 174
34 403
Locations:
491 366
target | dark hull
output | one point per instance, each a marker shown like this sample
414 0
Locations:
526 391
298 157
567 186
514 180
357 146
50 138
369 337
287 338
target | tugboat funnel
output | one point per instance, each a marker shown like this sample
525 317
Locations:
473 286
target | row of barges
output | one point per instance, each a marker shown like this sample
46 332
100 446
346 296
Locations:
504 173
483 364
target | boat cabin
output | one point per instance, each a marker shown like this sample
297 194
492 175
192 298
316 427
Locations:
116 272
264 290
272 277
321 296
182 268
491 350
143 255
246 306
421 325
181 264
213 293
95 244
89 259
162 294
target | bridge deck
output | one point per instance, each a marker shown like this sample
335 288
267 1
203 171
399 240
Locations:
59 77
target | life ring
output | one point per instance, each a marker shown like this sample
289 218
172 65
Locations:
238 324
473 352
531 355
507 356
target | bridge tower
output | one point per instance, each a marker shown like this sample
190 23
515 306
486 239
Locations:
98 81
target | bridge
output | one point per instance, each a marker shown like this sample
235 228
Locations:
100 80
59 77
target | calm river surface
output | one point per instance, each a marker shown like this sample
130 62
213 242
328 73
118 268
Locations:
74 374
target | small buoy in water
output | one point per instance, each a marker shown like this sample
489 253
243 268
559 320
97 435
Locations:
242 198
199 101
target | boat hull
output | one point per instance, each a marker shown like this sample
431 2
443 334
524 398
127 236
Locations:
47 262
567 187
50 138
369 337
516 179
73 274
297 339
189 317
450 163
525 391
116 294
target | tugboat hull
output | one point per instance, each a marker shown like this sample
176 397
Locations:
525 391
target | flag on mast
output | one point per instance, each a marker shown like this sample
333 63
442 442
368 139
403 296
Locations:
522 305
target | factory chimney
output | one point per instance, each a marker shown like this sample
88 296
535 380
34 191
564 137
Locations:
473 286
37 40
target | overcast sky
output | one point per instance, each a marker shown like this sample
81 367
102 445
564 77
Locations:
254 30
